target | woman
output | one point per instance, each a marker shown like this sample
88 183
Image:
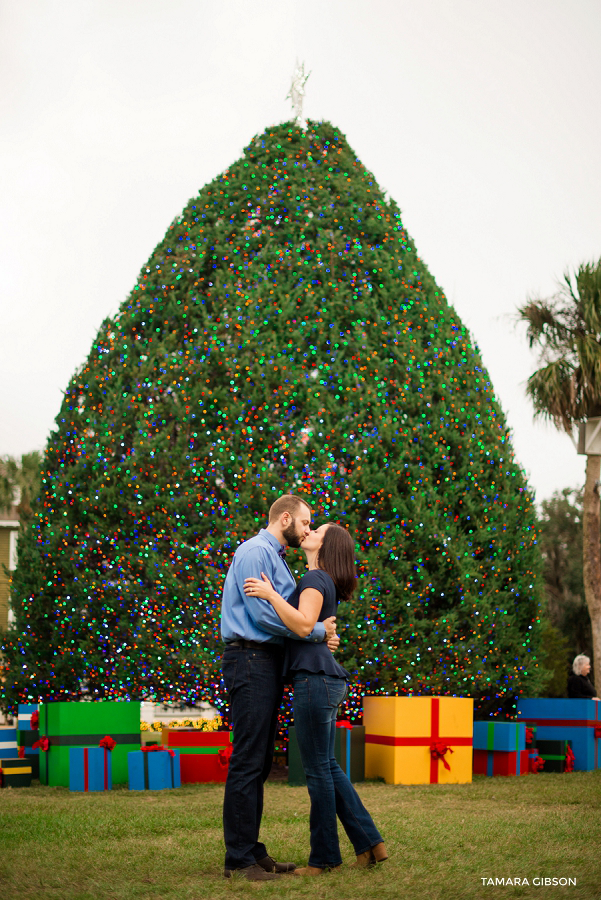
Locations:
579 684
320 686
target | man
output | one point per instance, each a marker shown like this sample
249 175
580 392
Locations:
252 671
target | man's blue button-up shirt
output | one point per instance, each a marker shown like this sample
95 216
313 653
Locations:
252 618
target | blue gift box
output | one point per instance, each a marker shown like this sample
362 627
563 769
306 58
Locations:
24 713
153 770
509 737
8 742
90 769
576 720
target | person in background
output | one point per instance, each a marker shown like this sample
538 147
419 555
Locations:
579 684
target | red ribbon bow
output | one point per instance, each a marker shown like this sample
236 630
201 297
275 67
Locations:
35 720
438 751
569 767
529 735
344 723
597 731
536 764
43 744
21 753
224 755
107 742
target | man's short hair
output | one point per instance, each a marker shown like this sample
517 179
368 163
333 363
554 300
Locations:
289 503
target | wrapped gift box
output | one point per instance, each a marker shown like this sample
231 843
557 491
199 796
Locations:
349 750
574 720
14 773
27 735
8 742
90 769
31 758
553 753
418 740
67 725
507 737
204 755
27 739
500 762
24 713
154 770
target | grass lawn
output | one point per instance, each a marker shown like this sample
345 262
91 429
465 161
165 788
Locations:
443 840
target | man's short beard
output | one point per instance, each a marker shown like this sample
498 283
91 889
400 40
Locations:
291 535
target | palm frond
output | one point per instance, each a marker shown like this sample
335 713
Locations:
586 284
554 394
545 323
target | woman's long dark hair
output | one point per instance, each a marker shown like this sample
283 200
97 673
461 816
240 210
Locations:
337 558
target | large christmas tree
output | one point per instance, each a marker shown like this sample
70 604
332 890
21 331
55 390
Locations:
284 336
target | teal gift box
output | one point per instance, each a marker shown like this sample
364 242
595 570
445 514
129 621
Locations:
90 769
85 724
508 737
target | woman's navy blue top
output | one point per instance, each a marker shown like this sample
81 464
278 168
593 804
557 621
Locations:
302 656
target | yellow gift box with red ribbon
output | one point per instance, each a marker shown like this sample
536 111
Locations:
419 740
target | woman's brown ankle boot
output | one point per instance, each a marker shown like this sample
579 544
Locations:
379 853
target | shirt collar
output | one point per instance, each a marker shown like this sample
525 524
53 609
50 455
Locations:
280 549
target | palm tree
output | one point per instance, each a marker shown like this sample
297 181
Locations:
567 390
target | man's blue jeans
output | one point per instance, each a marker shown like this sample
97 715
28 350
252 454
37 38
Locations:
253 680
316 701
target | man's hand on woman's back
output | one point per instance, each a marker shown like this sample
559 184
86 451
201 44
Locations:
332 639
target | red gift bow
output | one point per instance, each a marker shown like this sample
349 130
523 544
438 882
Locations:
35 720
21 753
43 744
224 755
344 723
536 764
529 735
107 742
438 751
569 760
155 748
597 731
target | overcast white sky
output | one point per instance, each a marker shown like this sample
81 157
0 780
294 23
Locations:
481 119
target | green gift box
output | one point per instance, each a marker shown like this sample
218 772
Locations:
84 724
349 750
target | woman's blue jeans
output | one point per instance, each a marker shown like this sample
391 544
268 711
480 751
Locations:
316 701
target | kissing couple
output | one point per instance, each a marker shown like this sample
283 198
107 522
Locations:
275 632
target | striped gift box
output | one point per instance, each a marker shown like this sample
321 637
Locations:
24 714
8 742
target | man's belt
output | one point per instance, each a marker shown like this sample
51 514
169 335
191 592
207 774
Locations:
253 645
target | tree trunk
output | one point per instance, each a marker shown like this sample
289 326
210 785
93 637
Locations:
592 557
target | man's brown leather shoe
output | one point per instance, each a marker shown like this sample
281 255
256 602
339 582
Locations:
270 865
251 873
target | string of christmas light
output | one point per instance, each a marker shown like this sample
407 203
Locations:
284 336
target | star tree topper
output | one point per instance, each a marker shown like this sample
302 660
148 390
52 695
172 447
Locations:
296 93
